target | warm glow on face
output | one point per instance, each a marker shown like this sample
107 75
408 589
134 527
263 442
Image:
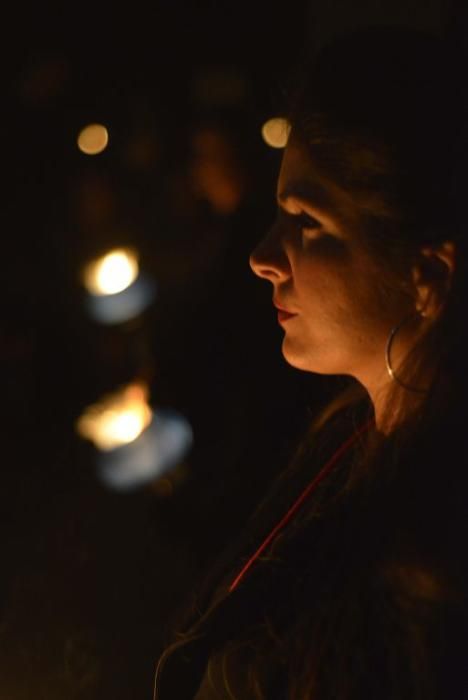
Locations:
117 419
93 139
112 273
275 132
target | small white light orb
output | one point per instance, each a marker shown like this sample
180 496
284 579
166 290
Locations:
112 273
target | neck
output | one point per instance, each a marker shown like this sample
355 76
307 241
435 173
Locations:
393 404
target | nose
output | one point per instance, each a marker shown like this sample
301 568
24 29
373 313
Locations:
269 259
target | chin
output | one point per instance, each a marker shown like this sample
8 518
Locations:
302 360
297 359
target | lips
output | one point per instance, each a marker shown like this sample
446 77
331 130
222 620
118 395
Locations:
284 316
283 309
280 307
283 313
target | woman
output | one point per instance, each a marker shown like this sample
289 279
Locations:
356 585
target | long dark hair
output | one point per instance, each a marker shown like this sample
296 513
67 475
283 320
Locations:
383 117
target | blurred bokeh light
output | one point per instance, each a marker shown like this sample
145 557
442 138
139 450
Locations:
112 273
93 139
112 309
118 419
159 449
275 132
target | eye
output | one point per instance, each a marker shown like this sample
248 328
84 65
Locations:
308 222
310 227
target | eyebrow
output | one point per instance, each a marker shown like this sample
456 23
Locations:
315 195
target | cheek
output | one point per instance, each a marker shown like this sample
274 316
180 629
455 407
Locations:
373 311
342 299
323 288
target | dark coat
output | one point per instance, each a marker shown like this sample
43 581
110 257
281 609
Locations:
368 590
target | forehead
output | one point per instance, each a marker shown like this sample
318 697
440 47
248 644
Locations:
364 193
296 162
300 178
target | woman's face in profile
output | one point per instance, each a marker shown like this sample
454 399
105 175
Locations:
333 308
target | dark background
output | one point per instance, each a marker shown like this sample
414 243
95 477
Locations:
91 577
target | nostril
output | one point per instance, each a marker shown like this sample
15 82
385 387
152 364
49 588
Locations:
269 259
268 272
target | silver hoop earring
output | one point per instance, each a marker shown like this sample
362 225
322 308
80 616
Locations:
388 361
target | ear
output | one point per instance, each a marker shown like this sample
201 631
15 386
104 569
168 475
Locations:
432 278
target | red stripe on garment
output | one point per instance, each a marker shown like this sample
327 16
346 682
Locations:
297 504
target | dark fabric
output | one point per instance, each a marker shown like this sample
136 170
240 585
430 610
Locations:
382 576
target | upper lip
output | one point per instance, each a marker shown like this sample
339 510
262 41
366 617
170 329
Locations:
281 308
